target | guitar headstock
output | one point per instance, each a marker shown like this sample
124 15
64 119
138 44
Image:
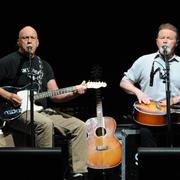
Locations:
96 85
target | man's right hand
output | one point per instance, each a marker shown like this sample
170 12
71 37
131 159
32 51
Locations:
15 99
142 97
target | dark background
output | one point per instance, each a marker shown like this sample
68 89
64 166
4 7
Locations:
75 37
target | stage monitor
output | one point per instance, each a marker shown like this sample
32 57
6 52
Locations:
159 163
31 163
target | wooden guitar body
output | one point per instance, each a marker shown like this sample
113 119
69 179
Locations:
104 149
154 114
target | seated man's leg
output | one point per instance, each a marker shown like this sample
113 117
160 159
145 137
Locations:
75 130
43 128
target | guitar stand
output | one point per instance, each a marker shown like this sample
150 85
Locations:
104 174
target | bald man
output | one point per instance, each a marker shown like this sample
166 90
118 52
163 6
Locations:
17 70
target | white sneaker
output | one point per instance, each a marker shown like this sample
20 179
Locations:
77 175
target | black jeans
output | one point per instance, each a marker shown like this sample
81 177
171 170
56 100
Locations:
159 136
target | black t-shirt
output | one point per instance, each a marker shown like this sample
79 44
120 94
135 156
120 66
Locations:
15 72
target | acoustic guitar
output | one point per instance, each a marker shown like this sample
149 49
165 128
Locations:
154 114
104 149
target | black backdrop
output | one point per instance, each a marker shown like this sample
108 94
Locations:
76 36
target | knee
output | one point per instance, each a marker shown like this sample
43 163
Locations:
44 123
81 125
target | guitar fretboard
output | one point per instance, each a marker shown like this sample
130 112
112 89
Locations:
54 92
99 108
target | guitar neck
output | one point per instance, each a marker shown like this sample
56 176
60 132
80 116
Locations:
99 109
54 92
94 85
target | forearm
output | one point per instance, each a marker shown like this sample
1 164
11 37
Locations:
64 97
67 96
5 94
128 87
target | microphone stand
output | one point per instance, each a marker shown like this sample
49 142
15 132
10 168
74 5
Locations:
168 97
31 100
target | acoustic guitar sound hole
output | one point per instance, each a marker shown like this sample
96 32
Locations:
100 131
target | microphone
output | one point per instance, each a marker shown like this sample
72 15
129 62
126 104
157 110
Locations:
29 47
152 75
165 46
164 49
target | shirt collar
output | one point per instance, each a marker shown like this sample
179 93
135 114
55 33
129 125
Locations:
174 58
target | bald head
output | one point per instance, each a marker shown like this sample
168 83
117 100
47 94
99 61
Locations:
27 29
28 35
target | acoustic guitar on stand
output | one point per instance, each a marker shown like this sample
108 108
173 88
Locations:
104 149
154 114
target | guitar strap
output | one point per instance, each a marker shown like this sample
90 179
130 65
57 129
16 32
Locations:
41 73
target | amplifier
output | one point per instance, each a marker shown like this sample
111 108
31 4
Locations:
130 142
158 163
31 163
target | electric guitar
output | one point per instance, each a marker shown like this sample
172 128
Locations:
10 112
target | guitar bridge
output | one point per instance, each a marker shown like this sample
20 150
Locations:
102 148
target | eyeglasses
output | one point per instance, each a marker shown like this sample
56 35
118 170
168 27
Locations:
28 37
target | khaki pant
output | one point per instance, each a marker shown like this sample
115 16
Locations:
70 127
6 139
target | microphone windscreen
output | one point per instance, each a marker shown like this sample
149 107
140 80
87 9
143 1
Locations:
164 49
29 46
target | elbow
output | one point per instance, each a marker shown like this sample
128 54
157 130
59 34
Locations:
122 83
